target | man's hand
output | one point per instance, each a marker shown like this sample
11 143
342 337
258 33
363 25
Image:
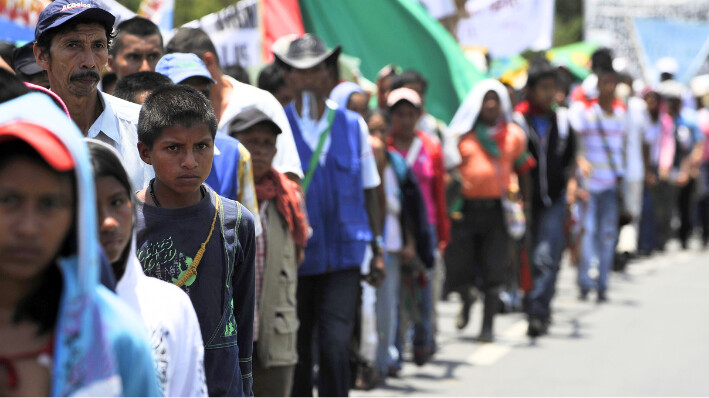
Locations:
407 253
584 166
377 270
5 66
650 178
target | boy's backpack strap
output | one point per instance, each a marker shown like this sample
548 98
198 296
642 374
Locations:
239 213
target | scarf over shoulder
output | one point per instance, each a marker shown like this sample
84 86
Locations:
289 201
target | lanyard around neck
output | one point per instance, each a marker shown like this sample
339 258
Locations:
318 150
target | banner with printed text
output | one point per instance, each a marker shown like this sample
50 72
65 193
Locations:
507 27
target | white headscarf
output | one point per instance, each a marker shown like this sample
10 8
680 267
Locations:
469 110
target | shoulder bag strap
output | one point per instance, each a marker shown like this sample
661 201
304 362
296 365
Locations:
414 151
606 147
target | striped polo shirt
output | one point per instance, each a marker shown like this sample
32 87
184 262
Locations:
596 126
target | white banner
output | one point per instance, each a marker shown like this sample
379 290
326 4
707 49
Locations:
439 8
507 27
235 32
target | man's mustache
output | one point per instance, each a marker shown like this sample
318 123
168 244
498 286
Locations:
85 74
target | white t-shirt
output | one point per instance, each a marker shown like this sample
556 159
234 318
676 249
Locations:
393 240
311 135
243 97
117 126
635 168
173 328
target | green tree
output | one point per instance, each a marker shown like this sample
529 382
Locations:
568 22
187 10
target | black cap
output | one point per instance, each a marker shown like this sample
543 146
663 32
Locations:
249 118
23 60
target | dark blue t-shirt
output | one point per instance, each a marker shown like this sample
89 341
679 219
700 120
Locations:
222 292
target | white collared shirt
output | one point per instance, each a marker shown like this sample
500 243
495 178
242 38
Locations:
243 97
117 126
312 130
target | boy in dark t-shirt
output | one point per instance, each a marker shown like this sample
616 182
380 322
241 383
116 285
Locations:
192 237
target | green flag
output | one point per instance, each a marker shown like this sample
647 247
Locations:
576 57
381 32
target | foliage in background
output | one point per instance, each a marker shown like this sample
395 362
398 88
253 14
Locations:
187 10
568 22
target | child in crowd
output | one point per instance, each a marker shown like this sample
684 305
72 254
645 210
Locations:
137 86
407 241
174 330
231 175
190 236
279 251
423 154
61 333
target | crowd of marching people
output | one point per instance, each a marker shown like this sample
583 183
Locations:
169 229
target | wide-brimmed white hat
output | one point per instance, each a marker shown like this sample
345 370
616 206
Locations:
306 52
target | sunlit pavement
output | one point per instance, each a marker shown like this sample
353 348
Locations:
650 339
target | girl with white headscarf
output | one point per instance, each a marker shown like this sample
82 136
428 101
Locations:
493 151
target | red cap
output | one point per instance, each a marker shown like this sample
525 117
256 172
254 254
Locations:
42 140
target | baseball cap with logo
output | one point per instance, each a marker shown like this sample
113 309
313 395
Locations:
60 12
181 66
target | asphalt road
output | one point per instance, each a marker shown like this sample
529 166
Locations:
650 339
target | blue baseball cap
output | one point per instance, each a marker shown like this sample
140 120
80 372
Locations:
60 12
181 66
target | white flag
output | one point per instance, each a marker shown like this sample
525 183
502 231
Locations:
507 27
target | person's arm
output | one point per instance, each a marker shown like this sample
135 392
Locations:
581 162
246 194
650 175
377 268
244 295
439 186
5 66
370 182
380 156
286 160
570 169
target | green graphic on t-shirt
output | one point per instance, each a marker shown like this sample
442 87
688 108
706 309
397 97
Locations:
230 329
162 260
184 266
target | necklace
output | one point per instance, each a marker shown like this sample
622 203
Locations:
202 191
152 193
8 362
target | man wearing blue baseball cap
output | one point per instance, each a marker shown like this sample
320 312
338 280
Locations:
186 68
71 44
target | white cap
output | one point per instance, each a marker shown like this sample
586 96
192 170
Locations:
672 89
667 65
700 85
